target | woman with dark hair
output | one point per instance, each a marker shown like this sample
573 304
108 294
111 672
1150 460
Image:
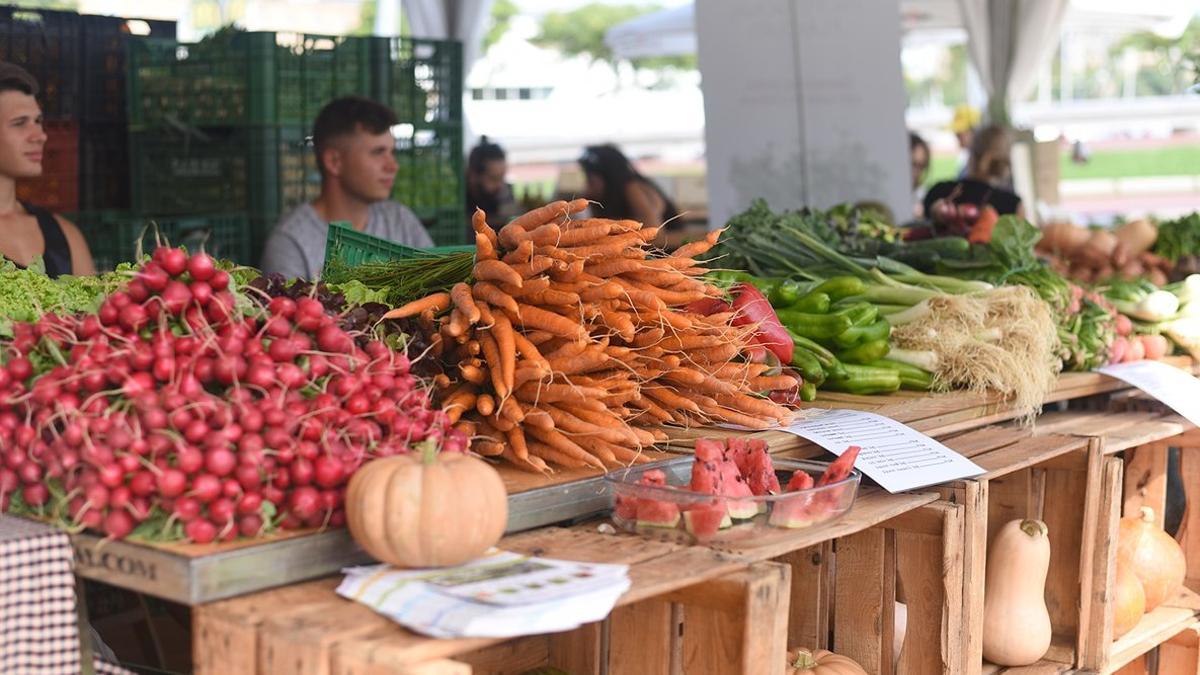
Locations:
620 192
487 166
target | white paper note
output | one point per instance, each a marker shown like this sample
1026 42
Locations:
1177 389
894 455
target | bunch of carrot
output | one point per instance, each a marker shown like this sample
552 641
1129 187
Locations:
572 343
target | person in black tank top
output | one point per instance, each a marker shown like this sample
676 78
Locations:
27 232
621 193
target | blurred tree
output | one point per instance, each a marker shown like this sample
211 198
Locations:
581 32
503 12
69 5
1168 73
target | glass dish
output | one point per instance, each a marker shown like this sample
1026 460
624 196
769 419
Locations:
674 512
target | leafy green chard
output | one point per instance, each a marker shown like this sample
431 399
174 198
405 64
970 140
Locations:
27 294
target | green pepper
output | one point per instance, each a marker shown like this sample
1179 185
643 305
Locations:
911 377
860 313
813 303
808 392
824 356
788 291
808 365
879 330
815 326
836 371
840 287
866 352
865 380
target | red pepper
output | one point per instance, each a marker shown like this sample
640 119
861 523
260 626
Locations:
751 307
708 306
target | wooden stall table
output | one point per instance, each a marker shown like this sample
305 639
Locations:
735 616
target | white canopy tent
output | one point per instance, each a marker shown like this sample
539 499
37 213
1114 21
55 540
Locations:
992 28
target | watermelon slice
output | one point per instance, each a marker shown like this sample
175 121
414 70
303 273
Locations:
794 512
840 467
627 507
704 520
759 473
657 513
733 486
739 450
706 472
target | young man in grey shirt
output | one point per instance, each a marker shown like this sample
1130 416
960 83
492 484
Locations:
355 152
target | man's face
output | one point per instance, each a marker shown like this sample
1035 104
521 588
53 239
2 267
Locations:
364 163
21 135
490 181
920 165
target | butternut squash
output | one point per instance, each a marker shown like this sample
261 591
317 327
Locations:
1016 624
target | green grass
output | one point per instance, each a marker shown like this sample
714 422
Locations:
1177 160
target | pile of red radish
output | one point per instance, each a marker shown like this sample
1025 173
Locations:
184 409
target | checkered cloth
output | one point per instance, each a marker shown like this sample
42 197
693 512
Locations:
39 629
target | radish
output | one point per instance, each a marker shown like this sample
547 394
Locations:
201 267
172 483
219 281
118 524
200 531
250 524
187 508
304 502
206 487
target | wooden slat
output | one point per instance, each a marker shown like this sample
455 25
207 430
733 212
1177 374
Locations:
507 657
859 595
811 595
931 568
1189 529
1098 565
641 638
748 633
1065 503
1146 480
1180 654
873 506
577 651
1156 627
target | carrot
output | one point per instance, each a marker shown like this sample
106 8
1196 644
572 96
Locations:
649 233
669 297
599 449
531 287
491 354
497 270
480 225
546 235
540 337
720 354
466 427
540 215
485 316
610 247
534 373
552 393
538 419
568 350
527 349
556 440
485 404
626 225
485 248
759 407
521 253
582 363
492 294
538 449
671 400
486 447
536 266
574 236
569 423
653 410
649 337
460 294
472 374
700 247
571 270
613 266
438 302
511 410
516 441
771 383
605 291
507 345
551 296
441 381
539 319
457 324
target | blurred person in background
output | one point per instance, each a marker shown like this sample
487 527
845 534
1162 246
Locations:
918 151
966 120
988 182
487 188
352 138
29 233
620 192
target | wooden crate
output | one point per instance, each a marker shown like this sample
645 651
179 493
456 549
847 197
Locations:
1066 482
732 612
1142 434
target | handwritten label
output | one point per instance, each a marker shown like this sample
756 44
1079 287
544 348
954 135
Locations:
895 456
1175 388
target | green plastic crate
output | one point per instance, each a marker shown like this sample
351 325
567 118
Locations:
422 80
262 170
430 180
352 247
235 78
114 236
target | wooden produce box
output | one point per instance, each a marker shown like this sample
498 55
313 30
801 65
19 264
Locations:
1143 438
733 615
1063 480
194 574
